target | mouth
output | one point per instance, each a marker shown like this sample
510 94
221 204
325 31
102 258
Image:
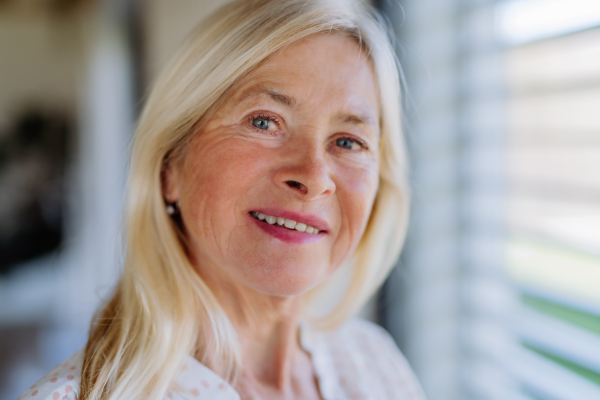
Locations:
285 223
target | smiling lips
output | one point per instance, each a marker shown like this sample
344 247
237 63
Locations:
286 223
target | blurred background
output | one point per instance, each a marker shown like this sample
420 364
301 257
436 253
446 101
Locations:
497 293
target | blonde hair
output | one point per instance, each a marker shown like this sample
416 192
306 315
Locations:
162 311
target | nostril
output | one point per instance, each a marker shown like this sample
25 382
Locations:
294 184
297 185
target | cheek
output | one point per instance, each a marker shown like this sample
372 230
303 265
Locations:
226 164
356 189
219 176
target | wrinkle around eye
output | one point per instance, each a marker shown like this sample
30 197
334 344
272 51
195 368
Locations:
247 134
364 159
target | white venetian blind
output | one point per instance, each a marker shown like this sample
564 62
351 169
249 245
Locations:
449 302
553 257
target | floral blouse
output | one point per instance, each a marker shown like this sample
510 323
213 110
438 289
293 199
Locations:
358 361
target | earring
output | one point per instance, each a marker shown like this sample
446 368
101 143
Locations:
173 208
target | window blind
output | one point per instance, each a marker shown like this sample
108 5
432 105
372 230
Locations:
449 301
553 246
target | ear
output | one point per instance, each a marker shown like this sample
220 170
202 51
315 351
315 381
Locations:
170 182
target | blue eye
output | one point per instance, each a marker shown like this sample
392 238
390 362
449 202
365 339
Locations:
347 143
261 123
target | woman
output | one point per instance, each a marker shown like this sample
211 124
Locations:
268 171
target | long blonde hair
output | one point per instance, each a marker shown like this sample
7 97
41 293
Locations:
162 311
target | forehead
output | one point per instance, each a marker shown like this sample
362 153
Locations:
327 70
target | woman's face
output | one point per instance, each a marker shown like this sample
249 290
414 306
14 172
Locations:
295 143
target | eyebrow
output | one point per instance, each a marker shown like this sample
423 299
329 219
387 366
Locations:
275 95
356 119
289 101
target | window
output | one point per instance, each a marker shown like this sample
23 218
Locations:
553 148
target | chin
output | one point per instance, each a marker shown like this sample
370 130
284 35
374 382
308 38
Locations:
292 279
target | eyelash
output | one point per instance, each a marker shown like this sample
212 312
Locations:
271 118
354 139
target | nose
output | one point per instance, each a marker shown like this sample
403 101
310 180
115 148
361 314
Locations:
305 172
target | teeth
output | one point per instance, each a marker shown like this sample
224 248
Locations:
288 223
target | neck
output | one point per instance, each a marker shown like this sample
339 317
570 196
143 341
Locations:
269 341
267 328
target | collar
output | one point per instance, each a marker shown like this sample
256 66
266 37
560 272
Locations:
198 382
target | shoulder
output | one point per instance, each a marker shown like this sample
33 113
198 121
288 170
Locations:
193 381
362 348
359 335
364 338
357 328
60 383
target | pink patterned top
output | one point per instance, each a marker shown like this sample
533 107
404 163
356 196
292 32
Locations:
358 361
